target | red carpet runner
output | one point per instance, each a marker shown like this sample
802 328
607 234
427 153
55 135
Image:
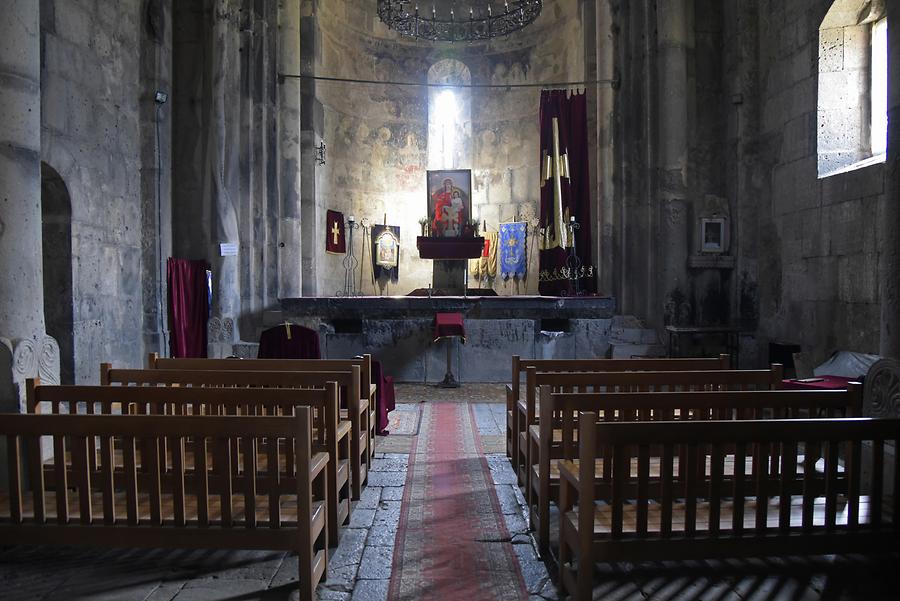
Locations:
452 543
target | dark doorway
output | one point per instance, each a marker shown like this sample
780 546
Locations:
56 214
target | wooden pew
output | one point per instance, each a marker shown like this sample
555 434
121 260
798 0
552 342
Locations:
516 405
360 458
330 434
782 504
207 505
660 406
630 381
367 405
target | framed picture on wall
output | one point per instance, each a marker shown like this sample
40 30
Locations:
449 201
712 235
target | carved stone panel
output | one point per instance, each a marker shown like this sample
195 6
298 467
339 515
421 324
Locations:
881 396
23 359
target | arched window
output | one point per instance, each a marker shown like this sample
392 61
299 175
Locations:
852 94
449 116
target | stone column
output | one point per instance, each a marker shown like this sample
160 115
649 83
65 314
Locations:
290 279
605 48
890 223
221 186
25 350
674 21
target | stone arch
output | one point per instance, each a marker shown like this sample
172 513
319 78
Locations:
453 73
56 217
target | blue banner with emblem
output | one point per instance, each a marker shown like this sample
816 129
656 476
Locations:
513 259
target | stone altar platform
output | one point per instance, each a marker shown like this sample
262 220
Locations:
398 332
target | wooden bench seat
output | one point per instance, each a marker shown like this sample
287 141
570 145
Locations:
520 366
356 412
556 435
793 509
287 510
330 435
703 510
84 506
364 362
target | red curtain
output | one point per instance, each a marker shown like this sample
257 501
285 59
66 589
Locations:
559 269
188 307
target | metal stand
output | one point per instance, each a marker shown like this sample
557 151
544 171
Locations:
350 262
573 262
449 381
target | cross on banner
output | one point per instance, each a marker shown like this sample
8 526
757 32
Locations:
335 240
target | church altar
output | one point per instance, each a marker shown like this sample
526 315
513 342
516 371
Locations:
399 331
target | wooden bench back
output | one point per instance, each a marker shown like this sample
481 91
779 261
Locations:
154 361
562 409
167 400
648 381
235 378
122 470
519 366
770 446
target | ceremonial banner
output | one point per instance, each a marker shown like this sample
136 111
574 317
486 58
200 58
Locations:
386 251
335 238
564 239
513 259
485 266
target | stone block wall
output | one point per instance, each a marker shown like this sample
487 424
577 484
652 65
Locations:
92 135
819 238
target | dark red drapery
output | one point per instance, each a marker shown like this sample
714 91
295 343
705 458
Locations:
289 341
555 263
188 307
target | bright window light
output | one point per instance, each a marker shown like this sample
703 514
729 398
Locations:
446 106
444 129
879 87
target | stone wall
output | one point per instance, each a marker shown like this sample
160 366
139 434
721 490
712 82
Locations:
96 128
716 117
377 135
818 238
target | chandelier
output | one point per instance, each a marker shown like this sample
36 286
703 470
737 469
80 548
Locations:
442 21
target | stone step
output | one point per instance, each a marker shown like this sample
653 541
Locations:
634 335
626 350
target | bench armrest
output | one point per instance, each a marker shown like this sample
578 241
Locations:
317 464
568 471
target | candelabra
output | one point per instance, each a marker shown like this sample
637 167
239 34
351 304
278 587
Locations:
573 262
350 262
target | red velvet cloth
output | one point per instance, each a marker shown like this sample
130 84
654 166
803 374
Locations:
289 341
449 324
818 383
188 307
384 396
570 110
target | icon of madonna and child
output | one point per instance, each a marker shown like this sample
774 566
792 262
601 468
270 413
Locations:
450 202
